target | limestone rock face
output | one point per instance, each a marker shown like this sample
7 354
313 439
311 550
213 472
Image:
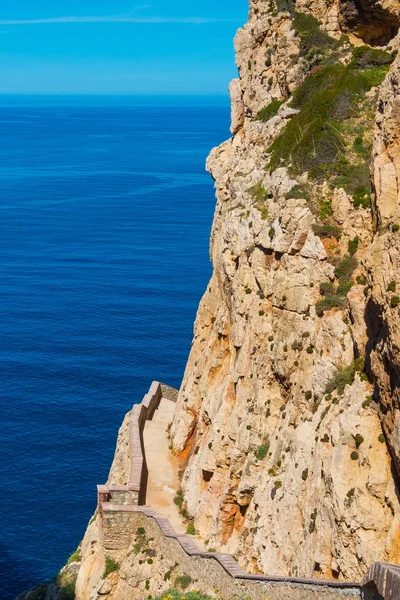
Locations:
289 477
383 262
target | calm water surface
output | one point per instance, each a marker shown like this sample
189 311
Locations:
104 227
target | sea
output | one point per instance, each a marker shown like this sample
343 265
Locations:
105 218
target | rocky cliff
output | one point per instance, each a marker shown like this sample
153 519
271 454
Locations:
288 416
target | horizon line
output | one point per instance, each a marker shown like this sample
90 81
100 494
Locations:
121 94
124 18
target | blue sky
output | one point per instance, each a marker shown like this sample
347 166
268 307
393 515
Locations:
119 46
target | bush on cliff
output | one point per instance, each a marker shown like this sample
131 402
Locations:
315 139
111 566
345 376
265 114
311 35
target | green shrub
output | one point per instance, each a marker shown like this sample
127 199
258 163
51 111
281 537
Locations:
350 493
265 114
262 451
297 346
330 301
345 268
278 484
391 287
344 376
190 530
325 210
311 34
395 227
310 349
353 245
308 395
313 140
328 230
343 288
298 192
111 566
183 581
178 500
362 196
359 440
258 193
381 438
394 301
354 455
75 557
326 288
140 531
361 280
315 406
365 57
358 145
336 298
66 588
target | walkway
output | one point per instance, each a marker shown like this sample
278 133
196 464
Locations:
163 481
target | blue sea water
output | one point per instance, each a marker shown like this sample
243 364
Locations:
105 218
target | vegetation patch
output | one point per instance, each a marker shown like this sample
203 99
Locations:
344 376
359 440
353 245
67 589
312 37
111 566
391 287
298 192
345 269
262 451
259 196
328 230
190 530
182 581
75 557
317 138
265 114
394 301
335 296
